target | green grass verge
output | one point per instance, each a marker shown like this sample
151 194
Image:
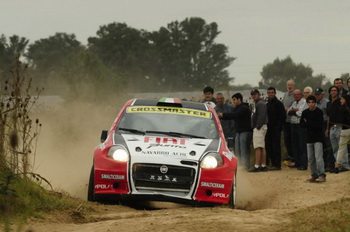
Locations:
22 198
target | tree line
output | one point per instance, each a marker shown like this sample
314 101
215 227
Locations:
183 56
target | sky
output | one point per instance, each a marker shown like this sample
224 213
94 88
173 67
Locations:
256 32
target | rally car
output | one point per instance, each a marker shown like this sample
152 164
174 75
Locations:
164 149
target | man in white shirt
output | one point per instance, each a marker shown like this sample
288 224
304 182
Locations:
298 133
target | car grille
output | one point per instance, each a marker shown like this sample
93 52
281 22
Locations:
175 179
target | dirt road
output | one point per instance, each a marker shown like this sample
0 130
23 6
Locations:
265 201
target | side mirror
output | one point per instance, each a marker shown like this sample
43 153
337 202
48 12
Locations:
104 135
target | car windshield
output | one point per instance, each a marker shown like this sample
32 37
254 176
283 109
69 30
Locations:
169 121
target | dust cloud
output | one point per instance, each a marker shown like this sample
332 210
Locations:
70 131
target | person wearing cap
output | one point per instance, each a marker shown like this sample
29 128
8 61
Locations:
277 117
241 115
259 125
312 119
288 99
207 97
298 133
321 103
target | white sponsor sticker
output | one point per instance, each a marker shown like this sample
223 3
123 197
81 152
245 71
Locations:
112 177
212 185
220 195
103 186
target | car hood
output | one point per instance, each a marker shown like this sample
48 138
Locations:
167 147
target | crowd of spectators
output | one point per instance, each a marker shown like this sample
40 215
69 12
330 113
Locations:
315 129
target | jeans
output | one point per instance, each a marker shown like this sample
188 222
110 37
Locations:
342 156
299 146
315 157
273 146
334 136
243 141
328 157
287 135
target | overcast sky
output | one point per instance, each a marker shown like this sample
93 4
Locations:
312 32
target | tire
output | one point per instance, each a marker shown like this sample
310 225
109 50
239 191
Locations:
232 200
91 194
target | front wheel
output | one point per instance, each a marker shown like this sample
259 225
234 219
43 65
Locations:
232 201
91 194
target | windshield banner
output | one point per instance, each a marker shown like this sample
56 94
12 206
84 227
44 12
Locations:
168 110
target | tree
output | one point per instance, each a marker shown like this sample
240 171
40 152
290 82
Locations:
62 63
53 53
280 71
182 56
118 45
9 49
188 56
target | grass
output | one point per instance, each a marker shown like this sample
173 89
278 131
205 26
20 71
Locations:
23 198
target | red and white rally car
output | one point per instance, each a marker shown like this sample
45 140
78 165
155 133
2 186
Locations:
164 149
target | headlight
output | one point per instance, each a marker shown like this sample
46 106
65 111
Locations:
118 153
212 160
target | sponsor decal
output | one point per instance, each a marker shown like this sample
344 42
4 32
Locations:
165 153
212 185
221 195
155 152
166 140
169 110
103 186
163 178
102 146
112 177
165 145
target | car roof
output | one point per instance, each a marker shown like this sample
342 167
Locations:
183 104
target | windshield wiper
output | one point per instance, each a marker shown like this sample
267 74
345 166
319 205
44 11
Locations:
178 134
134 131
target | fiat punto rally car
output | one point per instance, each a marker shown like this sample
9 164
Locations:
164 149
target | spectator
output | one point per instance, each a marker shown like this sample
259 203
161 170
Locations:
288 99
334 123
241 115
227 125
348 85
307 92
298 133
321 102
208 96
339 83
344 136
259 125
312 119
277 117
